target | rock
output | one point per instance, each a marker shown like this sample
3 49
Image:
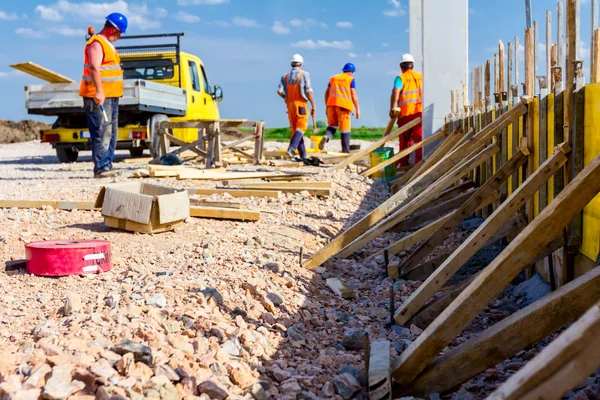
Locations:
404 333
37 378
356 373
158 300
72 304
103 369
141 353
112 300
212 293
168 372
268 305
346 385
328 390
401 345
239 311
249 242
354 340
31 394
213 390
257 392
294 333
582 395
415 330
232 347
275 298
472 224
11 385
59 387
462 394
280 375
44 298
290 387
379 259
273 266
492 374
241 376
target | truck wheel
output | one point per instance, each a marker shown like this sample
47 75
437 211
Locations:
66 154
136 152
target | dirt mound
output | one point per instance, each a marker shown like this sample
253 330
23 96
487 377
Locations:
22 131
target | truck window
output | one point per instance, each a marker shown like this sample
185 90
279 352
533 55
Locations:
194 76
149 73
207 87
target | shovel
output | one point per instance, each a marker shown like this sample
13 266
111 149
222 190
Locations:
315 129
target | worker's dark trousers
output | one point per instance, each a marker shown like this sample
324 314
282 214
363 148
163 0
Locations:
297 143
103 134
330 132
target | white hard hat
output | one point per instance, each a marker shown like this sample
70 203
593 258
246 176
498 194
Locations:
297 58
407 58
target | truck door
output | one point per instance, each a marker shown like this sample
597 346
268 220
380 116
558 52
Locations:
202 104
211 104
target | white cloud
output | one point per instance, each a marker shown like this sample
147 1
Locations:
396 11
385 45
221 24
244 22
344 24
4 74
307 23
7 17
186 17
30 33
321 44
279 29
352 55
66 31
49 14
201 2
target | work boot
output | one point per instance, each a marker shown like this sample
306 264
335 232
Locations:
290 154
323 142
106 174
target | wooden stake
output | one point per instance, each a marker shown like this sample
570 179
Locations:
487 81
529 62
528 121
548 48
516 67
509 336
501 78
510 74
519 253
536 57
478 238
595 58
380 382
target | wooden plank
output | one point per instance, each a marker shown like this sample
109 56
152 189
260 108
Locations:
421 199
338 287
558 368
40 72
137 160
288 185
478 238
397 183
519 253
230 176
378 144
509 336
559 135
56 204
488 188
238 193
443 149
543 146
224 213
380 360
595 58
425 269
311 190
402 154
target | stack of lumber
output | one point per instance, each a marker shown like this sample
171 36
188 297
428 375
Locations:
182 172
314 188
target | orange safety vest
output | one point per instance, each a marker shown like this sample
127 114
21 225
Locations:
110 71
411 97
293 91
340 93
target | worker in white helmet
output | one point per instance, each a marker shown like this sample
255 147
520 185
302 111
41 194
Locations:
295 89
408 95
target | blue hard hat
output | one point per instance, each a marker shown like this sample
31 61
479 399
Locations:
349 68
119 21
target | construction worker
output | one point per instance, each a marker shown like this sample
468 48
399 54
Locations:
101 87
408 95
341 100
295 89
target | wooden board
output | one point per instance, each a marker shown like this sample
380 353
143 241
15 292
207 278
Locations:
496 276
338 287
311 190
488 188
288 185
509 336
40 72
273 194
478 238
56 204
230 176
224 213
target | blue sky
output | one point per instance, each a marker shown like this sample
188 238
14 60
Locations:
246 45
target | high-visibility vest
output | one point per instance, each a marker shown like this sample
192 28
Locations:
411 97
110 71
293 91
340 93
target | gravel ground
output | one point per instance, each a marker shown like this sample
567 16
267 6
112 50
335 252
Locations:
222 308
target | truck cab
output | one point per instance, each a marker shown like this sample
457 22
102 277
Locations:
146 64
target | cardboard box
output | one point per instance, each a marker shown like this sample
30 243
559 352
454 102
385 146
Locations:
143 207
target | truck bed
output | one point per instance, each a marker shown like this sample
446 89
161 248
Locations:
138 96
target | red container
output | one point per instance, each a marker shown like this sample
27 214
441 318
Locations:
68 257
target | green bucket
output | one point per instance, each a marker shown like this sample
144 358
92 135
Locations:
378 156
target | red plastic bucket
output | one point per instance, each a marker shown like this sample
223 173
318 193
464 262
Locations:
68 257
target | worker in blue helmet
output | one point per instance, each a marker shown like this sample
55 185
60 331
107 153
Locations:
101 87
341 100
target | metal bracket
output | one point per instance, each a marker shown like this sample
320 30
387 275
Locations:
496 98
542 81
578 67
515 90
557 74
504 96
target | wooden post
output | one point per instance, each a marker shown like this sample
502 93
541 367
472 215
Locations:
495 277
560 44
516 67
593 41
553 65
496 80
510 74
536 57
595 58
548 48
528 120
501 79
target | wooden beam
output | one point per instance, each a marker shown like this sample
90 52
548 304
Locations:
501 78
272 194
443 149
230 176
403 153
509 336
425 269
421 199
529 62
288 185
519 253
378 144
491 186
478 238
224 213
395 184
380 360
595 58
558 368
56 204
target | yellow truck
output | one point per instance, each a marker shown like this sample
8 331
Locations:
160 82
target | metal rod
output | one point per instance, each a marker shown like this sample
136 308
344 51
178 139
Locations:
528 13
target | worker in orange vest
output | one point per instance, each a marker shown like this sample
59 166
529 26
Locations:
341 100
295 89
101 87
408 95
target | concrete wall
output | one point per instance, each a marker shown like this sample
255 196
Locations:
438 37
